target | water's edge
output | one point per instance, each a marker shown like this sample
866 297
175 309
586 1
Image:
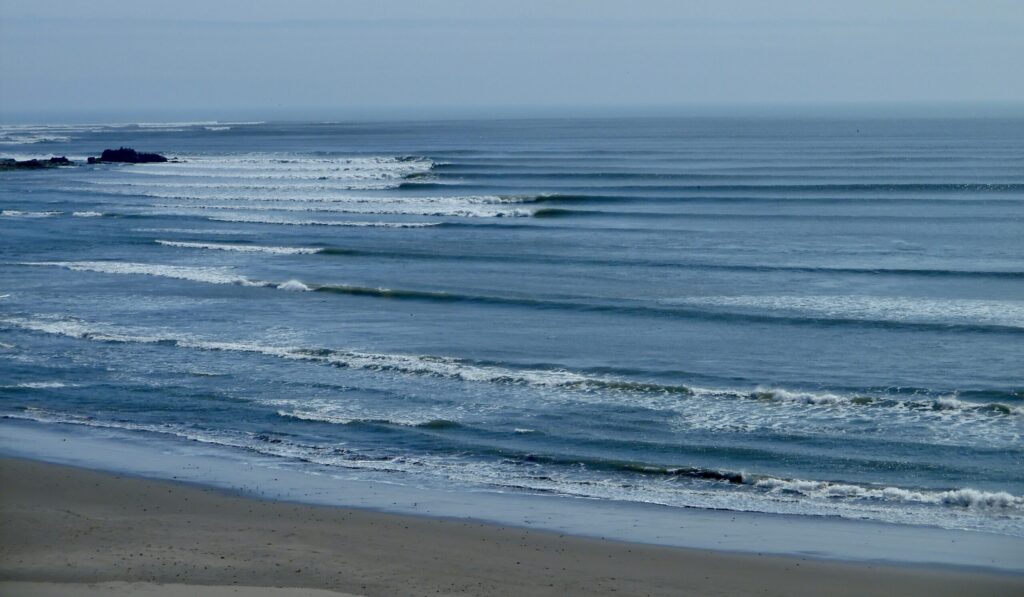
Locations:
728 531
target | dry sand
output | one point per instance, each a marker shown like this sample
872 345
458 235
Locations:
68 531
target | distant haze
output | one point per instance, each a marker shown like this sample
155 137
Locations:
450 57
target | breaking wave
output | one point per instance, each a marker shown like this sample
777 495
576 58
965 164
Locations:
218 231
294 286
207 275
944 315
25 134
959 498
878 308
343 172
406 208
240 248
8 138
553 377
684 486
14 213
290 222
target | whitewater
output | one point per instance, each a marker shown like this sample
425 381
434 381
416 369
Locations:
782 316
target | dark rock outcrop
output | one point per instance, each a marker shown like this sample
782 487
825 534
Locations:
35 164
127 155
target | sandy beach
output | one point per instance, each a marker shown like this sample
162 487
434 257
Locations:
70 531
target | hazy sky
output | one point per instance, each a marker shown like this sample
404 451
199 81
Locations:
73 55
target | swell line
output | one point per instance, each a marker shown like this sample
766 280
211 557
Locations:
226 276
784 188
519 258
468 370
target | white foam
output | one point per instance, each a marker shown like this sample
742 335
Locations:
16 134
810 414
181 124
915 419
827 399
191 231
407 208
716 402
325 411
295 286
376 172
958 508
241 248
87 214
878 308
208 275
14 213
50 128
240 219
438 366
964 498
30 138
39 385
22 156
290 192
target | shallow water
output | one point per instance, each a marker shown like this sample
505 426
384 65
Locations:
815 317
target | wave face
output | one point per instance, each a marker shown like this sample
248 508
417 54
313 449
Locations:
978 316
774 315
764 490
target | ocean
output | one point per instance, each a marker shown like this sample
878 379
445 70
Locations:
820 317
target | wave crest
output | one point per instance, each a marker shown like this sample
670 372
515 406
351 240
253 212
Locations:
961 498
240 248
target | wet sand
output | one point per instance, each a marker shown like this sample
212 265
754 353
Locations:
64 529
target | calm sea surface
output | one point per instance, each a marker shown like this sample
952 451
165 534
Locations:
821 317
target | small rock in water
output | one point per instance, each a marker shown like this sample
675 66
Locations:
33 164
127 155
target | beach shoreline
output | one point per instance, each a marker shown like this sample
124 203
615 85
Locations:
70 525
248 475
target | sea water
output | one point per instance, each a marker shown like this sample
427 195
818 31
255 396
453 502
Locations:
820 317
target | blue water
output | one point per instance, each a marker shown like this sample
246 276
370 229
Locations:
819 317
